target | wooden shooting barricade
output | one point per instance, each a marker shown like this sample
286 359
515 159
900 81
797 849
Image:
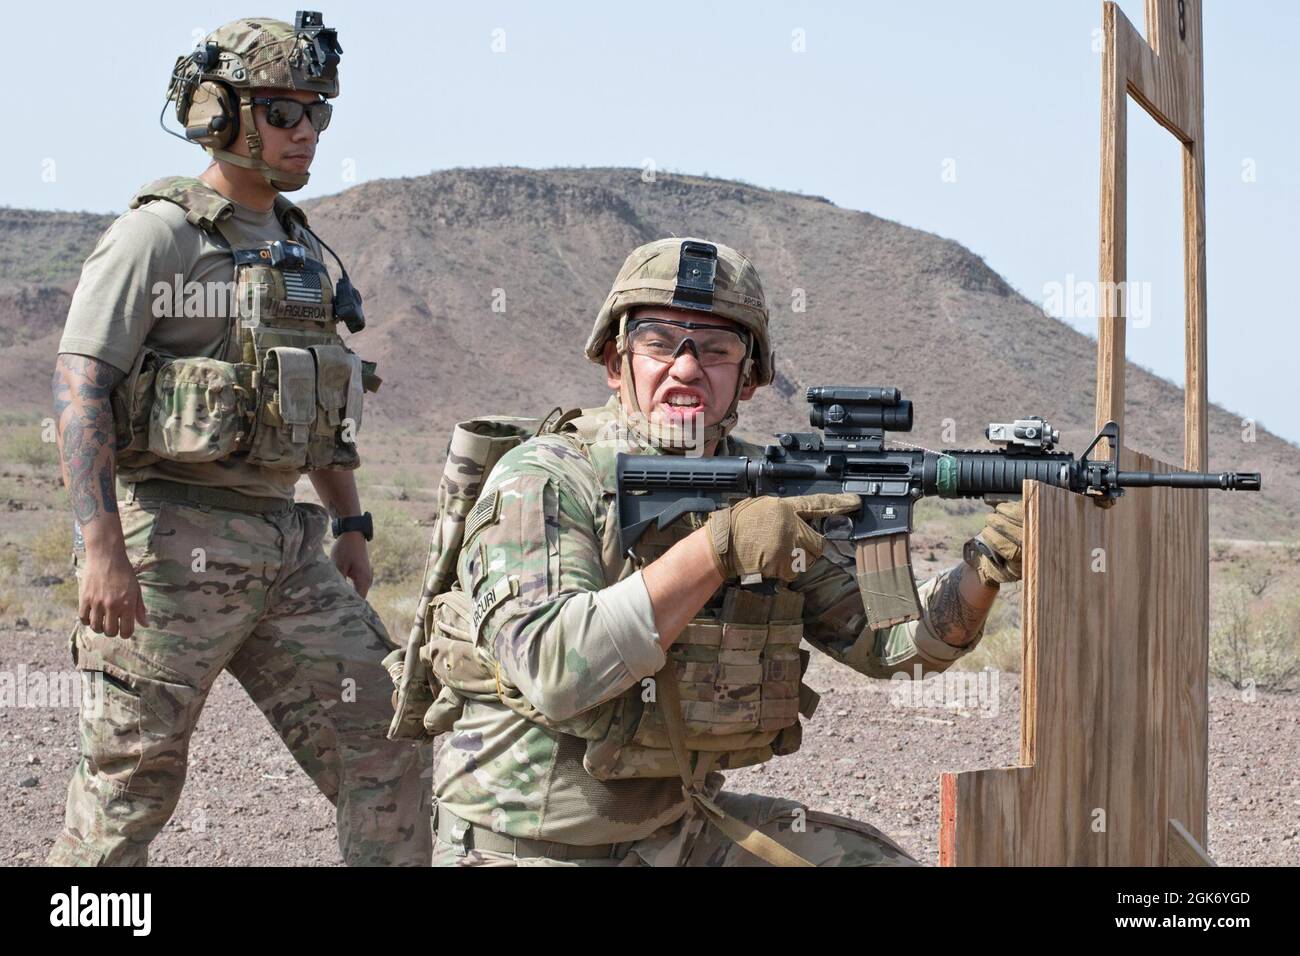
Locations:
1115 680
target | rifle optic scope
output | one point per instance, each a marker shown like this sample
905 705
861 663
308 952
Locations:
844 408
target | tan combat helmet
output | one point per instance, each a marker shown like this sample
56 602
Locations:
213 86
691 274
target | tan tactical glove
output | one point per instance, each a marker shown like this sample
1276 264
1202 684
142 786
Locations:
757 537
995 552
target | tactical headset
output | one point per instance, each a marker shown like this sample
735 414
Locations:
208 109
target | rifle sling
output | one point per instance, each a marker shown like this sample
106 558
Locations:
742 834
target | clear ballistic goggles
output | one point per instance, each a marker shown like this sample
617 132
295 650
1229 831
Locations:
664 339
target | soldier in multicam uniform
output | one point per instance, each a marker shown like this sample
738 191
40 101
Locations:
605 691
200 365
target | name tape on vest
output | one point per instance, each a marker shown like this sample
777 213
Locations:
489 599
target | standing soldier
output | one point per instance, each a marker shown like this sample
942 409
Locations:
569 739
200 365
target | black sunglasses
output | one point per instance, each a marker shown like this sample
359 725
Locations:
285 113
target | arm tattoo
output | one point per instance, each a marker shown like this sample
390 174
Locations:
84 413
951 616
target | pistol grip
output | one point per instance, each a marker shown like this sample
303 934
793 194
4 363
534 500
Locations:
884 573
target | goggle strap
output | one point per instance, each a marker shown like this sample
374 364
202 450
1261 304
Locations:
741 333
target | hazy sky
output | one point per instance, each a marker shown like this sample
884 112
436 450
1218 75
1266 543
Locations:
979 122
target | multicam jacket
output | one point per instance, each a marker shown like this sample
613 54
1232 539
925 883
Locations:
568 623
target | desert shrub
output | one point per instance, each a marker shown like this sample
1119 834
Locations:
51 547
1001 650
24 445
1252 644
399 549
395 604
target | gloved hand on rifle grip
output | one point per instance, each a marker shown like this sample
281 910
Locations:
995 553
758 537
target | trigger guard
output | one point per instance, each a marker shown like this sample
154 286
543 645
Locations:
837 527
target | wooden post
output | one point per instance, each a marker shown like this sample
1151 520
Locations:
1115 699
1165 77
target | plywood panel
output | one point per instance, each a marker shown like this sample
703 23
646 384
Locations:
1115 702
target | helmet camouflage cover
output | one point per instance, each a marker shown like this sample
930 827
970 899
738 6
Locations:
667 273
258 51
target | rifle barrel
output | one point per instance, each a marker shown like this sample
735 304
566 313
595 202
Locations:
1226 480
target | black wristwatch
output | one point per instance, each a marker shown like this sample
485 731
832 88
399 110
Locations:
362 523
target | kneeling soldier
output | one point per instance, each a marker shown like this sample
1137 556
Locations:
604 690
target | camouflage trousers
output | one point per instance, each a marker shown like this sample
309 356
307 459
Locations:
254 594
824 839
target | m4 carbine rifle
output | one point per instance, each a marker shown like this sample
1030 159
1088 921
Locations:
851 457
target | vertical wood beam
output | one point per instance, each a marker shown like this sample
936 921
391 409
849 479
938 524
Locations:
1115 700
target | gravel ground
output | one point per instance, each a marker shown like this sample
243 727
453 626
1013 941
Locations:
247 803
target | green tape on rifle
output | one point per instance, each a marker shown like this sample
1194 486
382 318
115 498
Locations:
946 475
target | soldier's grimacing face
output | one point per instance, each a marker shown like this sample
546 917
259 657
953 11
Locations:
291 150
659 385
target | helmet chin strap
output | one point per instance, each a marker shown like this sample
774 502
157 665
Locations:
285 182
670 438
282 180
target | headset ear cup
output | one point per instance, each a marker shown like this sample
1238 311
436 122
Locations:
212 106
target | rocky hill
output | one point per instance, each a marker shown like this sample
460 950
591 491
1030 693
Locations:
882 304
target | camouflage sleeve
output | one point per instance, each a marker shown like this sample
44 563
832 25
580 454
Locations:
532 567
835 622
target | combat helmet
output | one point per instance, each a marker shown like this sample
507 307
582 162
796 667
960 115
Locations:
213 86
696 275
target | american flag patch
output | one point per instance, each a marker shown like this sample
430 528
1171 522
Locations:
302 285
